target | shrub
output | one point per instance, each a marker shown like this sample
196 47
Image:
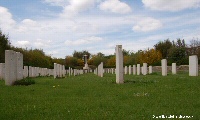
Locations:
154 73
26 82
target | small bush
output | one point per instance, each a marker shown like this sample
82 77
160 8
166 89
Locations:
154 73
26 82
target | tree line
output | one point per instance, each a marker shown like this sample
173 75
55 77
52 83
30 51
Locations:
174 51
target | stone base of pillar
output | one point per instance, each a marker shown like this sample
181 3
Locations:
86 66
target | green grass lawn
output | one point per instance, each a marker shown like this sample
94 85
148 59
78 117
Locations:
90 97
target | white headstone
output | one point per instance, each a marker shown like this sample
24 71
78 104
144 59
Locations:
134 70
119 65
125 70
173 68
150 69
144 68
164 67
55 71
75 72
129 70
19 66
25 71
101 65
10 67
138 69
112 70
193 65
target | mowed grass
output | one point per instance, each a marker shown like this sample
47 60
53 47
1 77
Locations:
91 97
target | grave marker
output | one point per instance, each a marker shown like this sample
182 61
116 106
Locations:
119 65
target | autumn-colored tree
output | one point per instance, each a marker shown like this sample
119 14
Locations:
80 62
111 62
149 56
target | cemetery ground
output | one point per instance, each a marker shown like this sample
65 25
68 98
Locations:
91 97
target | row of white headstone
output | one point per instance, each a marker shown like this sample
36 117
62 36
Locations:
193 66
59 71
13 69
132 69
76 72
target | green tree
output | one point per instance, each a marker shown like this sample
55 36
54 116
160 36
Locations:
163 47
71 61
80 54
4 45
178 53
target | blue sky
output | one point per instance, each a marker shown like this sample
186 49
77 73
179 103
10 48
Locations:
61 26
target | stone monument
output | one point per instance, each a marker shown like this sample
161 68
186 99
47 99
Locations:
85 60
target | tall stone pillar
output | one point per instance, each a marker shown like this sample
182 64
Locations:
10 67
119 65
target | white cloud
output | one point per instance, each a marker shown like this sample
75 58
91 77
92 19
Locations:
27 24
23 43
147 24
61 3
115 6
83 41
171 5
76 6
6 21
42 43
